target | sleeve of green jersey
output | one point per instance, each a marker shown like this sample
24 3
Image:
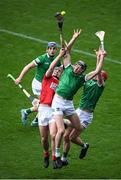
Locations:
39 60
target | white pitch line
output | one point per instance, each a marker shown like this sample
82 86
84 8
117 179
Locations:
45 42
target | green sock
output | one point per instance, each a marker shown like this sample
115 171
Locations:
83 145
28 111
65 154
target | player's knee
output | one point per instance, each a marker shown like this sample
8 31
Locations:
61 131
52 137
44 140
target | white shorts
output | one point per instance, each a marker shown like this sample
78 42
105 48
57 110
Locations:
85 117
45 115
36 87
62 106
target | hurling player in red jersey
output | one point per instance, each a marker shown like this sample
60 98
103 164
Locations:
45 121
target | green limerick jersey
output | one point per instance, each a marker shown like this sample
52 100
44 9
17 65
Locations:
91 94
69 83
42 64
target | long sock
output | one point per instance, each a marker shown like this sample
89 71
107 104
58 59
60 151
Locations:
53 157
28 111
46 154
64 156
36 119
84 145
57 152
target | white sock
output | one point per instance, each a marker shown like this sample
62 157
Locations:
84 146
57 152
63 158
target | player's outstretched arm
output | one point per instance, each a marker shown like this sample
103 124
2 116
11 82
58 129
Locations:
54 62
92 74
76 34
67 59
24 71
99 77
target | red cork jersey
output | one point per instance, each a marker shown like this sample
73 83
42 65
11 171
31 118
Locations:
48 89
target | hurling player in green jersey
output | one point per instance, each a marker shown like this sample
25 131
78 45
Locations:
71 80
41 63
92 91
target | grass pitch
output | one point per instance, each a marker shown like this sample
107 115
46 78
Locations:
33 20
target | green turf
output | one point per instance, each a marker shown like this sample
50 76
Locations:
20 149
